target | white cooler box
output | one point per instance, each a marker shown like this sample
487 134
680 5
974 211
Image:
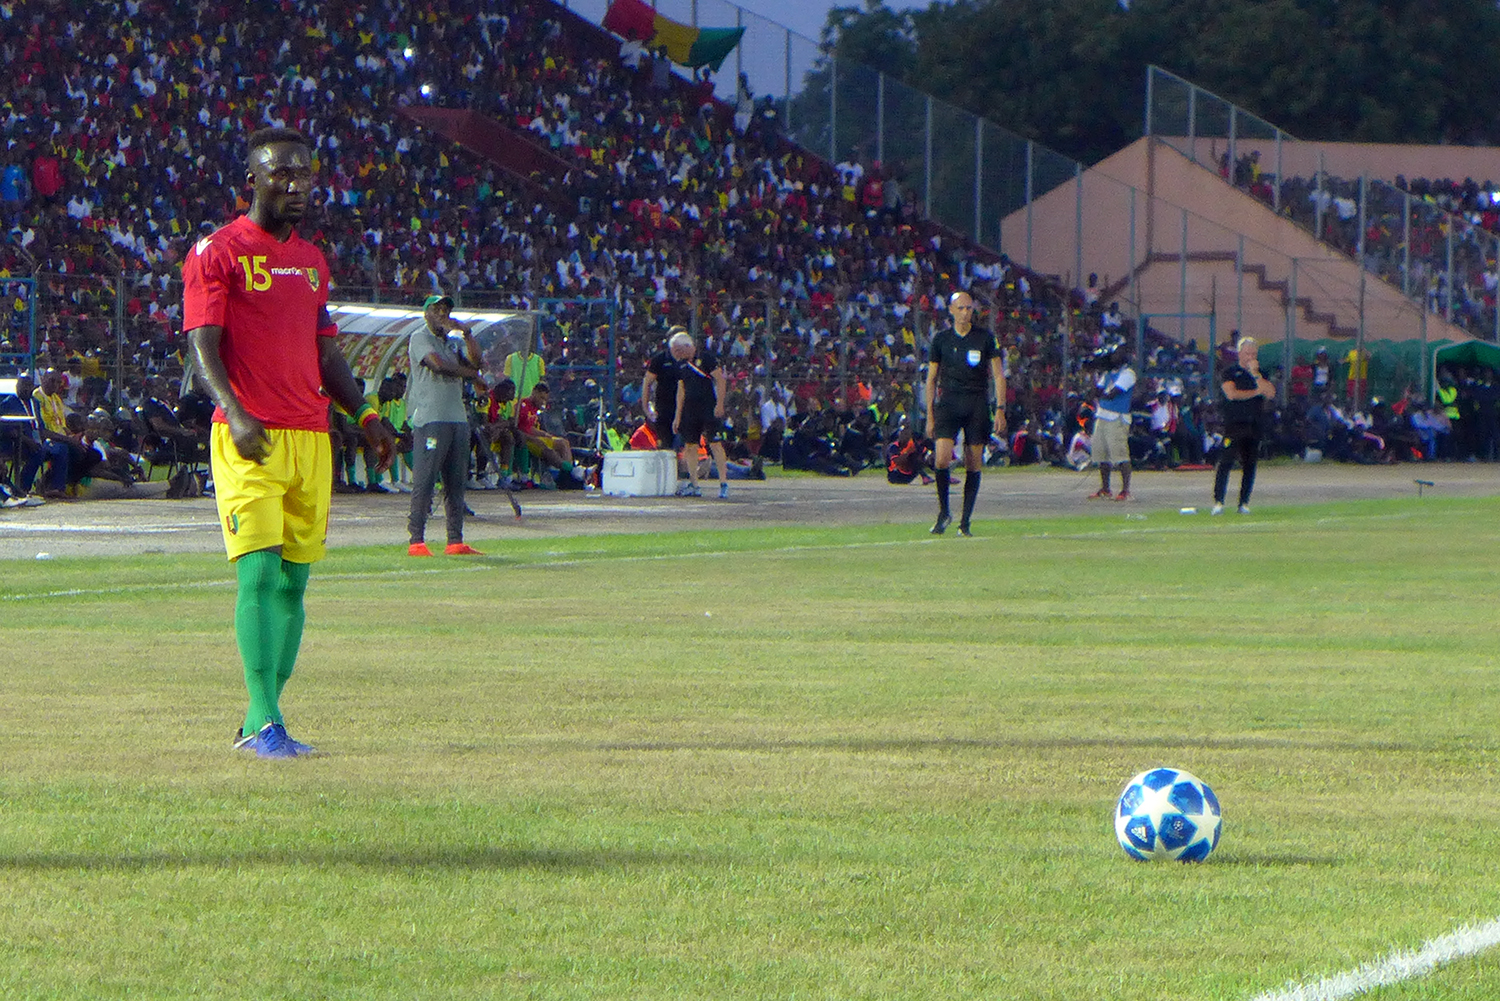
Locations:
640 474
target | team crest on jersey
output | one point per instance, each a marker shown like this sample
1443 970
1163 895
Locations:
313 278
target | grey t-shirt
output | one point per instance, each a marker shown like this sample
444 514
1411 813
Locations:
433 397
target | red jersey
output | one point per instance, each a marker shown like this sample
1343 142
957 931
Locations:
527 416
267 295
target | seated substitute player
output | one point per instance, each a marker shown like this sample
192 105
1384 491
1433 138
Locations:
500 427
551 449
701 388
255 298
963 360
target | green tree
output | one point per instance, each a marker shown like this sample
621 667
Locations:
1070 73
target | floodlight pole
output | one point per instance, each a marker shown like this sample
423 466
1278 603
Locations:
1448 299
833 110
1239 285
119 335
1030 189
1291 334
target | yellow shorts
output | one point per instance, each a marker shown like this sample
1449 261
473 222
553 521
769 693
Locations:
535 444
281 502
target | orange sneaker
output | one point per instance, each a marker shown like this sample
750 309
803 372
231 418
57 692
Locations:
418 549
461 549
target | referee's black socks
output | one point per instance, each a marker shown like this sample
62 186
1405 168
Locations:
971 492
944 479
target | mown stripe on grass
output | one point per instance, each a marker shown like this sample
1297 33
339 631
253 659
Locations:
1402 965
510 563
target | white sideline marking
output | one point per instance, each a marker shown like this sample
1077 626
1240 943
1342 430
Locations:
80 592
158 529
1398 966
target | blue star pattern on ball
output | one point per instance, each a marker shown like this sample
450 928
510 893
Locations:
1167 813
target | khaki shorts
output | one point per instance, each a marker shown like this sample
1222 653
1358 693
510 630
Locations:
1111 442
283 501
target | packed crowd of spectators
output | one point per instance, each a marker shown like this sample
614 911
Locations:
122 145
817 283
1469 212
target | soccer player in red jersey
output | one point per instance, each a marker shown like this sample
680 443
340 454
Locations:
255 297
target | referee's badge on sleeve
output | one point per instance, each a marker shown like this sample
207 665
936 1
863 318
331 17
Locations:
974 357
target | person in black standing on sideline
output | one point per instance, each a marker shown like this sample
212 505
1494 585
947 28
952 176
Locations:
960 366
659 391
1244 394
698 413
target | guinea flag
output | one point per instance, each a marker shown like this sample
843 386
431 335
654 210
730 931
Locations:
685 45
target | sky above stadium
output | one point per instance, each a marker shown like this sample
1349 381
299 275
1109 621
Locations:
807 17
762 54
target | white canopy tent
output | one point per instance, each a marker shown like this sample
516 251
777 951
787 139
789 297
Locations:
373 338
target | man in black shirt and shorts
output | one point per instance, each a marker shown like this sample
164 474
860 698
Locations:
659 392
1245 392
699 413
961 364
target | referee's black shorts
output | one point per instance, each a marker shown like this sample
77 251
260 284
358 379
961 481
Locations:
970 414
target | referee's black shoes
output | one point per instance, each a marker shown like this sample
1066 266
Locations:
944 520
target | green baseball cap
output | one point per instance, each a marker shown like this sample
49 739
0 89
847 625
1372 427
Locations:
433 300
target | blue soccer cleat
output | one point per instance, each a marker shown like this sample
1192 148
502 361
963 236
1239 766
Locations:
271 741
297 745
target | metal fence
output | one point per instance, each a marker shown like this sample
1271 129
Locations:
957 168
1445 262
819 355
117 330
1181 274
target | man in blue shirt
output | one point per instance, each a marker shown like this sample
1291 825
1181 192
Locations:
1111 439
12 190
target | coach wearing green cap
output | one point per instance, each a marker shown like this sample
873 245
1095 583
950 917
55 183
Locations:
440 422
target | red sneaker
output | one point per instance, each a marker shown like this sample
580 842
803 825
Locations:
1123 495
418 549
1102 494
461 549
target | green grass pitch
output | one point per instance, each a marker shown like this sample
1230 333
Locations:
853 763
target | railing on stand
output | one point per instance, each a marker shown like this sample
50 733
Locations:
1444 261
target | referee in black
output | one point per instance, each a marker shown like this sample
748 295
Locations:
962 362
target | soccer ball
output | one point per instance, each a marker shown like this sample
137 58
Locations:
1167 813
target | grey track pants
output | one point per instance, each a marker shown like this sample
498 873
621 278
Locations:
439 449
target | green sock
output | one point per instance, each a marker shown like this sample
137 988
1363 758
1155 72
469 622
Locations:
256 630
291 587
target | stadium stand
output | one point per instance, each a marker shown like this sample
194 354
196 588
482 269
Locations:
125 129
1329 207
505 153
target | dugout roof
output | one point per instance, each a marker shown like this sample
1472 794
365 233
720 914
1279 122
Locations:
374 337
